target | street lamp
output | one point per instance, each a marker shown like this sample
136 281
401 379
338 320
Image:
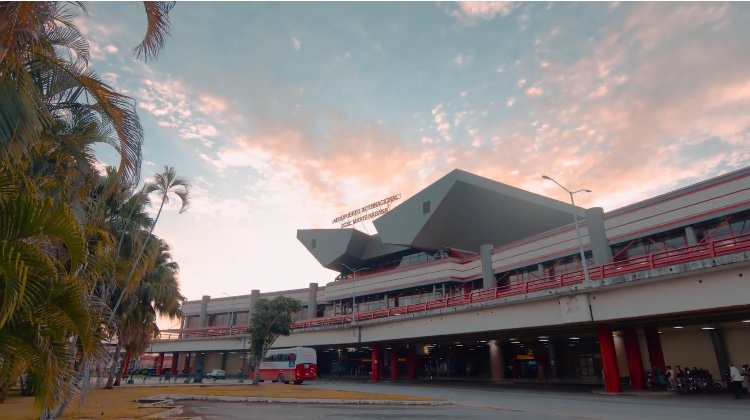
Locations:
231 314
354 288
575 220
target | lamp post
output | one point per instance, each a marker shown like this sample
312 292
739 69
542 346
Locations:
575 220
354 288
231 314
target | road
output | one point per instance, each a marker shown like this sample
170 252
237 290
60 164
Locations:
482 401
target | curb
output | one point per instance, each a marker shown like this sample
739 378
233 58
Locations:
219 398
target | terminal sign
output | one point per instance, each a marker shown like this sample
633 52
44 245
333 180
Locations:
379 208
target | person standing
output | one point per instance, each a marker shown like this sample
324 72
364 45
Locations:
736 377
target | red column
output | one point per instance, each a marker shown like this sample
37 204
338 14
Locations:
124 369
609 359
394 362
635 363
175 361
375 363
411 361
653 343
159 363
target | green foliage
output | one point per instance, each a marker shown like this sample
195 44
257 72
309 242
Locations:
271 319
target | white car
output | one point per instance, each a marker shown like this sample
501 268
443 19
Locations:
217 374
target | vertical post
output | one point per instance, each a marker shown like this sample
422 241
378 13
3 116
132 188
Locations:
394 363
609 359
159 363
488 276
580 242
598 235
653 343
635 362
375 363
497 364
187 364
175 362
203 317
312 301
411 361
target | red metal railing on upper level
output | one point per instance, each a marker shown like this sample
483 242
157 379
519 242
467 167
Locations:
711 249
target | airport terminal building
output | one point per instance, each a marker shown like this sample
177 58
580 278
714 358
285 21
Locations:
474 278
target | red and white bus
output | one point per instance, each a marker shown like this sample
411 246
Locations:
296 365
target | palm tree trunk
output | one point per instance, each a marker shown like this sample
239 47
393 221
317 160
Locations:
115 360
4 388
123 369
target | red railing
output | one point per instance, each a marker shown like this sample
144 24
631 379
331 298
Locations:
711 249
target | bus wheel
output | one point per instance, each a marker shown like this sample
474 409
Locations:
280 378
298 382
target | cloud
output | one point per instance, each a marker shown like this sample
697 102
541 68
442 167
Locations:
296 43
534 91
481 10
212 105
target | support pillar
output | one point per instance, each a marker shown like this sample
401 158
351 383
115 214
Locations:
635 362
199 360
497 364
597 235
159 364
224 361
488 276
690 236
187 364
203 317
254 295
653 343
609 359
394 363
720 350
411 361
175 363
312 301
375 363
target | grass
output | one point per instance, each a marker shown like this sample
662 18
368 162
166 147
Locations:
119 402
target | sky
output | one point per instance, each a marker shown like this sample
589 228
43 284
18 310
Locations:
286 115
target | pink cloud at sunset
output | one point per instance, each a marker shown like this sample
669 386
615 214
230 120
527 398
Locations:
286 116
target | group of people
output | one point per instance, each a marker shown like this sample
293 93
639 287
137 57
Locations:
738 379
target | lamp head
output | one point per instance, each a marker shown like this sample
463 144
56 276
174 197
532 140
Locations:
587 190
546 177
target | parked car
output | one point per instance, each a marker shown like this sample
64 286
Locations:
217 374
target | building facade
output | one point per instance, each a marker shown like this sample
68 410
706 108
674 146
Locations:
471 277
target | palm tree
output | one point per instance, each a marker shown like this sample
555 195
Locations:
164 185
158 293
44 70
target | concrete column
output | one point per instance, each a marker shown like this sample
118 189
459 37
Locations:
224 361
497 364
175 362
552 350
394 363
159 364
187 364
542 270
597 235
312 301
653 343
690 235
720 350
633 354
488 276
199 360
203 318
387 302
375 363
254 295
411 361
609 359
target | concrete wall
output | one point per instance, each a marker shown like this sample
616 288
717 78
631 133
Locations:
690 347
738 344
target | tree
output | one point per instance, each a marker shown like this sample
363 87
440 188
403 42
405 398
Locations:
271 319
164 185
